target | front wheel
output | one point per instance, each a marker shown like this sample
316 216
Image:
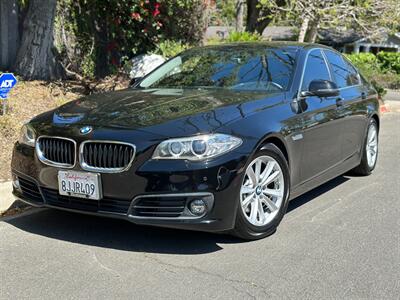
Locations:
369 151
263 195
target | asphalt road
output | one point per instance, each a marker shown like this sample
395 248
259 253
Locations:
341 240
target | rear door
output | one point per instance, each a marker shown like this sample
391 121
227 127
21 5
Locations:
351 112
321 129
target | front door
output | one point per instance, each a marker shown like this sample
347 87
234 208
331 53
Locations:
322 136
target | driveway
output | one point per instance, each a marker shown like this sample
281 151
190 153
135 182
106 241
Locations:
341 240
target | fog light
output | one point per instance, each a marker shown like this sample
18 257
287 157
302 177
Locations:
197 207
16 184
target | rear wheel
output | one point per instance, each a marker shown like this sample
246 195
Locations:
370 151
263 194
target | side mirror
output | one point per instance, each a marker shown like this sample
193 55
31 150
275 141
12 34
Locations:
321 88
134 81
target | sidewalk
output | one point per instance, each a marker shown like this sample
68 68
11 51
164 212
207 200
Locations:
392 95
392 100
6 198
392 106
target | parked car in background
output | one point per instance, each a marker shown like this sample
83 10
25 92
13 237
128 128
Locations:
217 139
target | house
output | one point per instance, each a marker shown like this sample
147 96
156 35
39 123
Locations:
348 41
351 41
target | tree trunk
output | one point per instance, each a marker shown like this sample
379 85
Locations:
239 15
259 18
303 29
312 32
101 41
253 13
9 35
35 58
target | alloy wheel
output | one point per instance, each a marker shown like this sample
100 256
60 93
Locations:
372 146
262 191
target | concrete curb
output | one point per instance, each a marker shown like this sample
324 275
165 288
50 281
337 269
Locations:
382 106
6 197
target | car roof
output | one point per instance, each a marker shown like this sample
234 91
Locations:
256 44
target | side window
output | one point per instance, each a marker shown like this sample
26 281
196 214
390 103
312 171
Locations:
316 68
345 74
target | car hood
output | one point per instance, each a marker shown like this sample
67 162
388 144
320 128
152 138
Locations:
185 111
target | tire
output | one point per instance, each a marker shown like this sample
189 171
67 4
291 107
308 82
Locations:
366 167
245 227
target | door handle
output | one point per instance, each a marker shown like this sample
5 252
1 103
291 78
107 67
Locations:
339 102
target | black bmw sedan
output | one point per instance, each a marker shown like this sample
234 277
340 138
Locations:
218 138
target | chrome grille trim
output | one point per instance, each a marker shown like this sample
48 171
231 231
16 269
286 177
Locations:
184 215
46 160
117 155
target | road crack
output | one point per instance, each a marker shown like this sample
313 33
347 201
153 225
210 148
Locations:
216 275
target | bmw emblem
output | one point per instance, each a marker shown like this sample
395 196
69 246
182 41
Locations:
86 129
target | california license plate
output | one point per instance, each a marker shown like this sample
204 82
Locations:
79 184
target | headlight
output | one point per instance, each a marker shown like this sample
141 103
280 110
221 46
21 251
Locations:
27 135
196 148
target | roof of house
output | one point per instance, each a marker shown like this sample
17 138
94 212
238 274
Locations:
335 37
341 37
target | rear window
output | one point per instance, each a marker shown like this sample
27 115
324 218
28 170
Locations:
344 73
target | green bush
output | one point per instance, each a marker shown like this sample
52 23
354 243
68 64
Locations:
236 36
244 36
169 48
367 63
390 61
380 70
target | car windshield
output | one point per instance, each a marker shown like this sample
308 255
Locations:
236 68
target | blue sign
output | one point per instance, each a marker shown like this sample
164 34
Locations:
7 82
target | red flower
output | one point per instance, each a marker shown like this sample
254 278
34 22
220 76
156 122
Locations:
156 12
135 16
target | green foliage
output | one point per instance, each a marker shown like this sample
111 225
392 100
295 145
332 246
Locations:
183 20
236 36
170 48
390 61
96 37
88 66
367 63
245 36
224 13
380 70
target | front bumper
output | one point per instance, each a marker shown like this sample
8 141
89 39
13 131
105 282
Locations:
160 182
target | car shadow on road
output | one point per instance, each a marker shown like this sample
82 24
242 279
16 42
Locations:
322 189
125 236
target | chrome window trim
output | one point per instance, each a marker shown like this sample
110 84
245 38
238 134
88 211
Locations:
210 205
48 162
327 65
86 167
304 69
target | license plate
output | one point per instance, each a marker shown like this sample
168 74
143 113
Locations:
79 184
